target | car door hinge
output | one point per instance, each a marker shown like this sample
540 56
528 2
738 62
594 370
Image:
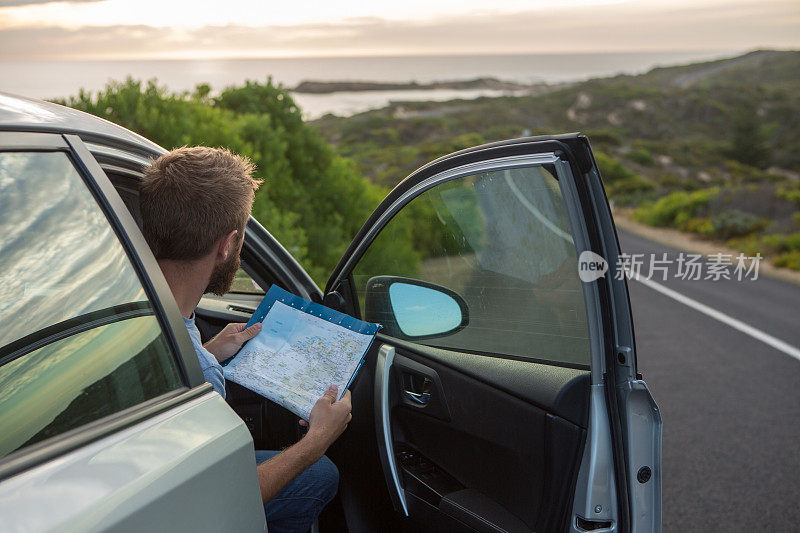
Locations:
624 355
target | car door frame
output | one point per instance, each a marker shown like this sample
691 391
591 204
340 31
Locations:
194 397
622 414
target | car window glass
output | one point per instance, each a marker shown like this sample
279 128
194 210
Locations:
502 241
80 340
59 257
243 283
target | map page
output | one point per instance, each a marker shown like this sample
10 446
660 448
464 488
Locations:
302 349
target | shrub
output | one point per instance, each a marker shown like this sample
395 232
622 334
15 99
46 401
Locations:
635 185
749 139
742 173
699 225
790 192
618 179
666 210
735 223
612 170
793 242
642 156
312 199
788 260
783 248
606 137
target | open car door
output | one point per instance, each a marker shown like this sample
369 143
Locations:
502 393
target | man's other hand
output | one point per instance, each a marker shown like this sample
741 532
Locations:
329 418
228 341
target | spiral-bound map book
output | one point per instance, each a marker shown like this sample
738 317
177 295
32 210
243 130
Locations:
302 349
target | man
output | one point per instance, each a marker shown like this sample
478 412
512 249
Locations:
195 203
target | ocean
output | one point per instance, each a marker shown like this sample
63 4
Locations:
51 79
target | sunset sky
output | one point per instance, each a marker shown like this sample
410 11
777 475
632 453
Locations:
144 29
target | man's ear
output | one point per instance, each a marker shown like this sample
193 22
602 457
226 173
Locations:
227 246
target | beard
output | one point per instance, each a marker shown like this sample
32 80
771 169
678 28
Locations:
222 276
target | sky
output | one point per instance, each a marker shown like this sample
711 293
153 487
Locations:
156 29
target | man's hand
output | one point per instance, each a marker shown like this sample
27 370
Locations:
228 341
329 418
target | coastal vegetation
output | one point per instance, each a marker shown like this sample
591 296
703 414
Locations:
312 199
711 149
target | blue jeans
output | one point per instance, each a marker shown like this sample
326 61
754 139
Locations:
298 504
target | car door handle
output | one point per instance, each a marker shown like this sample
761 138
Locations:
419 387
421 398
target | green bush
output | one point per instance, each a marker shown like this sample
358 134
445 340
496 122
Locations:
749 138
784 249
606 137
612 170
790 192
666 210
699 225
735 223
642 156
788 260
749 246
312 200
618 179
740 172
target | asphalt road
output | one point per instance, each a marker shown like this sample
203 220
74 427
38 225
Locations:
730 403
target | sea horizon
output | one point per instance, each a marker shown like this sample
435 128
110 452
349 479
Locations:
47 79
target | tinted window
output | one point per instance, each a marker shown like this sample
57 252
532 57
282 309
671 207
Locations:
502 241
243 283
79 340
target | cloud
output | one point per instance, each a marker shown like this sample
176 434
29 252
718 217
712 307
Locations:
739 26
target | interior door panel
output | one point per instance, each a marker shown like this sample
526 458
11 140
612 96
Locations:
484 453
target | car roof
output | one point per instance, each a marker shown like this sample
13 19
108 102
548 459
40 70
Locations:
18 113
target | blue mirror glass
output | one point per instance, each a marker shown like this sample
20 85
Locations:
422 311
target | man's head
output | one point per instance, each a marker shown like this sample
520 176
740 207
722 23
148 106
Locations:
195 202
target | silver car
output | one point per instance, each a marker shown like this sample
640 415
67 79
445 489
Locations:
502 395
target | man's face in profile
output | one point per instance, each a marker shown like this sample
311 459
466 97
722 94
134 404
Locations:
223 274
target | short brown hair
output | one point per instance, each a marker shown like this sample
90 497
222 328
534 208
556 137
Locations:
192 196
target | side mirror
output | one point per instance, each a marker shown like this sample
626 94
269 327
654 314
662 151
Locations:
411 309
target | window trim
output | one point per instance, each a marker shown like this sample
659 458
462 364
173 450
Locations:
142 259
32 142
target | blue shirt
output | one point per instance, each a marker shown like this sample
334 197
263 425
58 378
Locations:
211 368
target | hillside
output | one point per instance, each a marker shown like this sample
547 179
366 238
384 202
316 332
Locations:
711 148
